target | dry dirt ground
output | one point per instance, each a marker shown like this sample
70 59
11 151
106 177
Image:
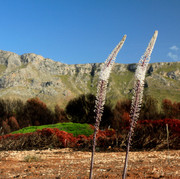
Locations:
66 163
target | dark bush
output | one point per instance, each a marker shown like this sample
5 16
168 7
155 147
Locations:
60 115
121 118
11 113
10 108
149 109
13 123
6 128
37 113
81 110
171 110
18 114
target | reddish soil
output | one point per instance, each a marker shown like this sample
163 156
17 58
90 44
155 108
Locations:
66 163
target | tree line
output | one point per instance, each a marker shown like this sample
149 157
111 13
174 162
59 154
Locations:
16 114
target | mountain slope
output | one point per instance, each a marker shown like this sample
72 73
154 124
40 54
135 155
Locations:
30 75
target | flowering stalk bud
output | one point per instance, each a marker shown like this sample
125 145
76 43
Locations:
101 93
138 93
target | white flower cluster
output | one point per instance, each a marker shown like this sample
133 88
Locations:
103 80
140 73
139 81
107 66
143 63
101 91
105 73
100 101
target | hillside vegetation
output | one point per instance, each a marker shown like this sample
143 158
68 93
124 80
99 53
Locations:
30 75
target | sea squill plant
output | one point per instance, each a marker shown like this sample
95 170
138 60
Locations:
101 94
138 94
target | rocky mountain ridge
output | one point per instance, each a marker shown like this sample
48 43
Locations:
30 75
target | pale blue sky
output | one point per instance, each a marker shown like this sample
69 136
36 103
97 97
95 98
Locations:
86 31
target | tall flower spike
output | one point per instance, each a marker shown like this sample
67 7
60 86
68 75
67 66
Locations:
138 93
101 93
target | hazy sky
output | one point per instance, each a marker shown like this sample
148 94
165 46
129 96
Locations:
86 31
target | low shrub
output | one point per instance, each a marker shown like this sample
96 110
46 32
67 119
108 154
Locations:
152 134
149 134
73 128
53 138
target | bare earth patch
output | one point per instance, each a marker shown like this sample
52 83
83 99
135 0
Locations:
66 163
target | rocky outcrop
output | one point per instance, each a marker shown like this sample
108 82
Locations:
29 75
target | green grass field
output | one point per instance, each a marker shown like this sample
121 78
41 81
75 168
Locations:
73 128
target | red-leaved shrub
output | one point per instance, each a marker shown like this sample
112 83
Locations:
149 134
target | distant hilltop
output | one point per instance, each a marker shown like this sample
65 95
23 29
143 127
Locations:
30 75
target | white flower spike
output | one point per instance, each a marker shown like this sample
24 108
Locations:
138 93
101 93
